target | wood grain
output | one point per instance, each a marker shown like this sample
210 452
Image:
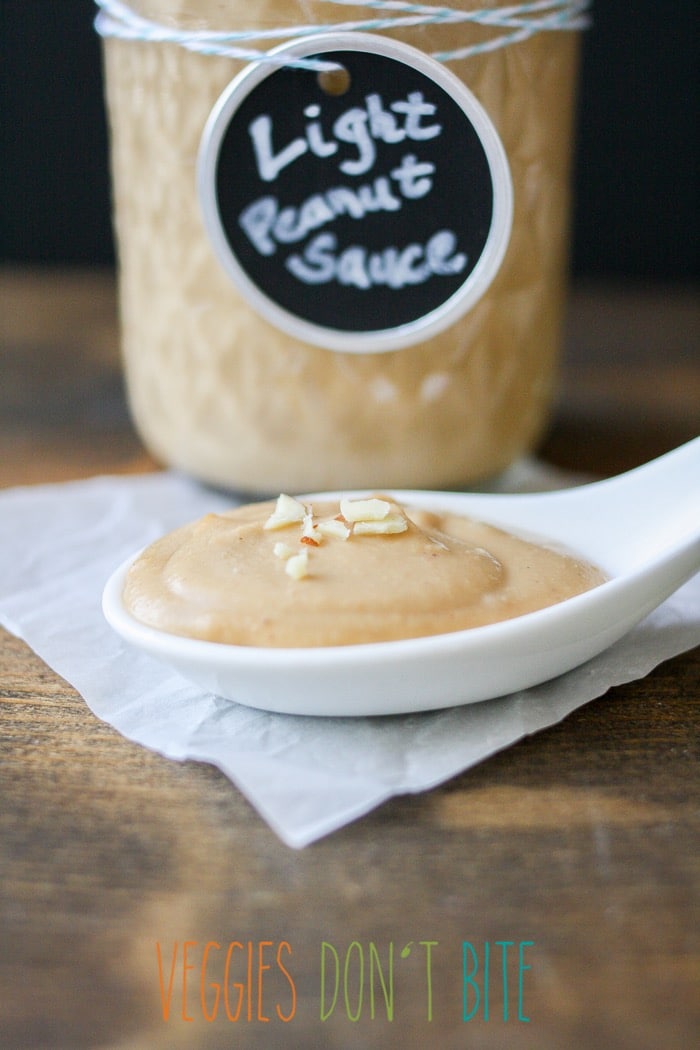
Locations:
582 839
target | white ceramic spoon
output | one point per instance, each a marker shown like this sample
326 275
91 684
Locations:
642 528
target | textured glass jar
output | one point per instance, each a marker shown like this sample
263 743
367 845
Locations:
222 394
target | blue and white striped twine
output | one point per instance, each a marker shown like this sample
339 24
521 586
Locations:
517 22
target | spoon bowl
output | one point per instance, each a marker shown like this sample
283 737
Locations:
641 528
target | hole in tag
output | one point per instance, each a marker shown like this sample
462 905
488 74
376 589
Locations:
335 82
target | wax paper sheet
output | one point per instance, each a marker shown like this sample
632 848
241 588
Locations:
306 776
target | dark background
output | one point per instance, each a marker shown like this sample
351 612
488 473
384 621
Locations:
636 162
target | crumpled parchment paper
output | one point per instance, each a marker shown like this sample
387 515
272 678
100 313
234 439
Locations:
305 776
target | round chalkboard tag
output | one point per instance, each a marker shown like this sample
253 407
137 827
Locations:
360 210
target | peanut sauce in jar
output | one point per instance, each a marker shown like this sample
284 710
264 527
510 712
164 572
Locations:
221 393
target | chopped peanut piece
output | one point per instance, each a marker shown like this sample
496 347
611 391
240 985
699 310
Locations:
392 523
370 516
297 566
364 509
288 511
309 531
333 527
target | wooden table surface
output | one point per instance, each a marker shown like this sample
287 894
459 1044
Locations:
573 853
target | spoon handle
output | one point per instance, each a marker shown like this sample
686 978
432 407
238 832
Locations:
650 509
636 517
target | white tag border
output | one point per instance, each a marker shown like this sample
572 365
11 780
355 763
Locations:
497 240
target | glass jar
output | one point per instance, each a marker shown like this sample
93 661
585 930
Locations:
217 391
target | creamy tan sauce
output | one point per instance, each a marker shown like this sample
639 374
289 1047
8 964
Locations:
225 578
